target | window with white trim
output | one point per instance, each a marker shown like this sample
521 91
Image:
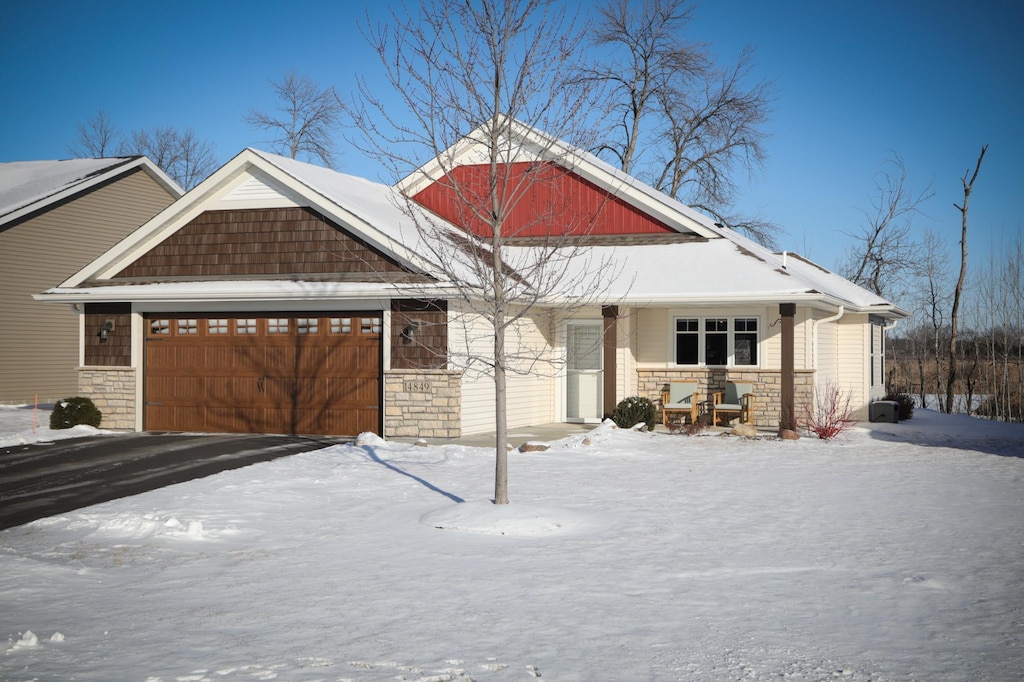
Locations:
717 341
877 356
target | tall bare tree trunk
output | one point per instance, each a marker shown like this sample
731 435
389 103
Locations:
955 315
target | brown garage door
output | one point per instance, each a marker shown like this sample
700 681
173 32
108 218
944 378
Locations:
277 373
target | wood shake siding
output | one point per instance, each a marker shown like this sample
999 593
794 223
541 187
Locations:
116 349
419 334
39 342
264 242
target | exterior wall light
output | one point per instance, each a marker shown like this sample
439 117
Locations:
105 330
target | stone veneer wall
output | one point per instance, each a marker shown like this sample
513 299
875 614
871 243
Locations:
112 389
422 404
767 387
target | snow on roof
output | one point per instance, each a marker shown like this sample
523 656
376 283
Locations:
29 185
379 206
727 267
716 270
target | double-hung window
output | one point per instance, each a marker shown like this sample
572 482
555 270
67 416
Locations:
716 341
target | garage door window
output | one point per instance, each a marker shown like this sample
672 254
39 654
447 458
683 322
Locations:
307 325
160 327
341 325
277 325
245 326
188 327
218 326
370 325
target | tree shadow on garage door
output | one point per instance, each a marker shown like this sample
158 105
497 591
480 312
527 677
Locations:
295 373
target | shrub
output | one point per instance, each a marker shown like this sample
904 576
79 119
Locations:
74 411
694 428
906 404
633 410
831 414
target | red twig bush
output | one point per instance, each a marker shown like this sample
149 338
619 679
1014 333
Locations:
831 414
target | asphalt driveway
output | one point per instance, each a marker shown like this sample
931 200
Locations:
41 480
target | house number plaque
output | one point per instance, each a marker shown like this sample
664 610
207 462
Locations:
417 386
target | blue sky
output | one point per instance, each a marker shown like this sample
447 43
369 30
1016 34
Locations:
854 81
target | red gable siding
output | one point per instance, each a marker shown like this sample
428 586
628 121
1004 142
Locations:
543 200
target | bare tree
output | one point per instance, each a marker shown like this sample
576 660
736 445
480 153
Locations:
181 154
306 116
689 125
97 138
884 255
487 76
932 304
954 316
196 160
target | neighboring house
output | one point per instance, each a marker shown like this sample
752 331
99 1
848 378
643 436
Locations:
277 296
55 217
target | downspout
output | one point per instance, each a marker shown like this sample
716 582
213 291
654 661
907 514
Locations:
842 311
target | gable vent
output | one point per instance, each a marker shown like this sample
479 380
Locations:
257 189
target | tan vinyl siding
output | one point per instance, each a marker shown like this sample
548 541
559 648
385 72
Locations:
828 353
39 348
530 397
852 360
653 337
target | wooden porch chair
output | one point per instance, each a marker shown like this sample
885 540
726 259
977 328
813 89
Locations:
680 397
736 400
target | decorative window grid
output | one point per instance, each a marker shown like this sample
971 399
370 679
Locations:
245 325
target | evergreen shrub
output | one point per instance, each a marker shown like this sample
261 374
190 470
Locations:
74 411
633 410
906 404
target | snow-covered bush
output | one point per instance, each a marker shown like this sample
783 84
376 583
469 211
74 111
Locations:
830 415
633 410
74 411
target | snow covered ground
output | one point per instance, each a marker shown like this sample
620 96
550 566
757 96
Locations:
896 553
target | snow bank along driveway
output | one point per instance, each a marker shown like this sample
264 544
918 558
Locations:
638 557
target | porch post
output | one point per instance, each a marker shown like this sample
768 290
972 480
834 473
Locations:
787 417
610 313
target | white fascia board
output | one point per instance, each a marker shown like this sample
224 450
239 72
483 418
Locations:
263 291
115 171
201 197
804 298
159 226
162 178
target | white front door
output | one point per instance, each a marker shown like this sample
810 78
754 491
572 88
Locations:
584 378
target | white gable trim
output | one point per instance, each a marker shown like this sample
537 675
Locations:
267 186
114 171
